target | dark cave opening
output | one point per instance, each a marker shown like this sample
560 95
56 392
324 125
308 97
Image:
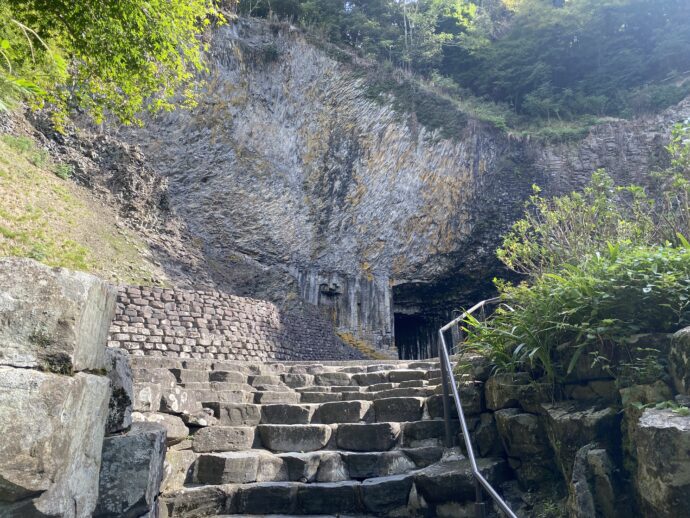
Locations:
416 336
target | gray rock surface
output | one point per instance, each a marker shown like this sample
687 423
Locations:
58 321
368 437
52 431
662 443
131 472
285 438
177 469
175 429
679 361
572 425
223 438
119 373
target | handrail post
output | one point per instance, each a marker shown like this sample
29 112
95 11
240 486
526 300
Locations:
445 380
479 503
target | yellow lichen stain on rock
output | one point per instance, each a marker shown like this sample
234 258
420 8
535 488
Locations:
362 346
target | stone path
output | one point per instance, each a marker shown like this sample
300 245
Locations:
333 438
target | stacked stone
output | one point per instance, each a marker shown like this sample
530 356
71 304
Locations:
214 325
68 445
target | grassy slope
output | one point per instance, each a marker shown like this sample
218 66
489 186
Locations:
51 219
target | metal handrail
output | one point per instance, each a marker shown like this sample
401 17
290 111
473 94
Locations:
446 373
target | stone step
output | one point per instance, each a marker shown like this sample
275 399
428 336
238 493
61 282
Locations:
217 386
242 434
311 467
449 480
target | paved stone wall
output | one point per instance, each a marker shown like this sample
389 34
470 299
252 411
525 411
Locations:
211 324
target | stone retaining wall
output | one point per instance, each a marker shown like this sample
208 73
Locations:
211 324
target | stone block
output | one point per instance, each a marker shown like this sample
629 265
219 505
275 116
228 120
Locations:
427 433
572 425
52 318
227 468
223 438
178 469
52 433
370 378
332 379
176 431
679 361
179 401
266 498
147 397
288 438
131 472
331 468
424 456
378 464
503 390
302 467
286 414
398 409
523 434
342 412
368 437
662 480
196 502
320 397
267 398
449 481
331 498
227 376
236 414
298 380
396 376
119 373
386 494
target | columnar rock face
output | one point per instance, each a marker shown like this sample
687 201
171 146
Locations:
213 324
53 419
299 176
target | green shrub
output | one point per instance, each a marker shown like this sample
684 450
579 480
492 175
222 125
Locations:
64 171
567 229
596 305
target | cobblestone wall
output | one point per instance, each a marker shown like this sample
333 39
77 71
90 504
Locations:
210 324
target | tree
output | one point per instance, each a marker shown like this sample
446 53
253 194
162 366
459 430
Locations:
102 56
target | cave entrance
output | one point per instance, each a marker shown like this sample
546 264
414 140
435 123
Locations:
415 336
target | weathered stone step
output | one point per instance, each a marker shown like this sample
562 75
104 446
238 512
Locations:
445 481
284 438
312 467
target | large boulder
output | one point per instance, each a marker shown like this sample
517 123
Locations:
525 441
661 440
52 432
122 392
51 318
570 425
595 488
452 480
131 472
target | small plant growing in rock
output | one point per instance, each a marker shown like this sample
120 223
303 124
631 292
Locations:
64 171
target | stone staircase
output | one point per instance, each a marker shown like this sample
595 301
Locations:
361 438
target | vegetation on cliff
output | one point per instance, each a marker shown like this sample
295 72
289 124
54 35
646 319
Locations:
601 265
539 60
116 56
45 217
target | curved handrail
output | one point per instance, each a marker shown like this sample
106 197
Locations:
447 373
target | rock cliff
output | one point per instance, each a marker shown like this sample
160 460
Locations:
296 178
